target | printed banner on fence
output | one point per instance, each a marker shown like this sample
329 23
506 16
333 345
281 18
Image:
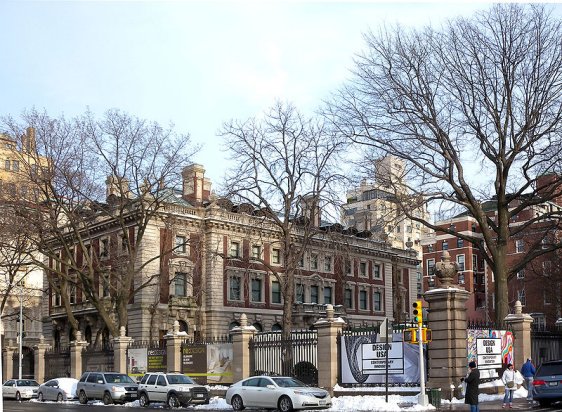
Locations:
208 363
505 345
157 360
351 358
489 353
137 361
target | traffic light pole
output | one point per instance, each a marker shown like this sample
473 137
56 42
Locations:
422 399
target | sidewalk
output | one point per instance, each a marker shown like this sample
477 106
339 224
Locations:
495 405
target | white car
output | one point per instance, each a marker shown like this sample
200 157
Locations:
19 389
276 392
60 389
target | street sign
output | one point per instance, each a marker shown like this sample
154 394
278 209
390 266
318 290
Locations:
374 358
489 353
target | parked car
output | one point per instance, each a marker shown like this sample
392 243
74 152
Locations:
547 384
110 387
59 389
174 389
276 392
19 389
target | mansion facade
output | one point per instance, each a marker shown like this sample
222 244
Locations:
209 262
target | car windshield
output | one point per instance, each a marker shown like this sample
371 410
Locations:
550 369
288 382
117 378
27 382
181 379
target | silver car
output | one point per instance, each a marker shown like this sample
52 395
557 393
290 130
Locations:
60 389
276 392
110 387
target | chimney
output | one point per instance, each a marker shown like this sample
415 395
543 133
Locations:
116 186
196 188
28 144
311 209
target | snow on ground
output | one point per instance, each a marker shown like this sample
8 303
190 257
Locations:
363 403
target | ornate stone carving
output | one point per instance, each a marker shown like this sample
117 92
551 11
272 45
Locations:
446 270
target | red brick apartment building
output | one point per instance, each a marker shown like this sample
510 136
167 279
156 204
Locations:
537 285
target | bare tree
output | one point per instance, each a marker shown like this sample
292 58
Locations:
474 109
92 176
286 168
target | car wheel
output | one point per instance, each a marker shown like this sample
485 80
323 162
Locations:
59 397
82 398
237 403
107 399
285 404
18 397
40 397
173 401
143 400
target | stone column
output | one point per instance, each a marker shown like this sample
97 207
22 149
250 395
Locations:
241 336
120 345
173 348
39 354
521 326
328 329
8 361
76 347
447 320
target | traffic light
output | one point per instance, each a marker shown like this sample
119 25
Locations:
417 312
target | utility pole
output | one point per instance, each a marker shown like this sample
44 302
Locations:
20 331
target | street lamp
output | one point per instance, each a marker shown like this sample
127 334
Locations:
20 330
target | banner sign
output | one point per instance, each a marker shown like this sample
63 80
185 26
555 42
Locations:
506 344
363 360
157 360
208 363
375 358
489 353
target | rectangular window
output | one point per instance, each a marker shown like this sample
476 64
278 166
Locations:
377 271
445 245
276 256
124 244
363 269
460 262
104 248
348 299
377 301
256 290
180 284
57 298
521 297
474 263
461 278
314 294
547 300
363 299
546 265
430 248
327 295
72 292
521 274
275 292
234 249
301 261
519 246
327 264
460 242
7 164
300 293
544 243
348 267
256 252
16 165
181 244
313 261
430 265
105 285
234 288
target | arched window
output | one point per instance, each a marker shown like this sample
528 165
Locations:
276 327
233 325
258 326
183 326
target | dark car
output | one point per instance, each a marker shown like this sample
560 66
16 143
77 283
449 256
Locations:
547 385
110 387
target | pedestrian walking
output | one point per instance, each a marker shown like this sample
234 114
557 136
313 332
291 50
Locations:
508 379
528 371
472 382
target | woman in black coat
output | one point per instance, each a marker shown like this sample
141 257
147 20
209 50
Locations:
472 382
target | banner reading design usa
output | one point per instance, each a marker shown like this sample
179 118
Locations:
352 362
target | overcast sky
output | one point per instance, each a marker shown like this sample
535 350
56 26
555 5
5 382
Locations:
195 64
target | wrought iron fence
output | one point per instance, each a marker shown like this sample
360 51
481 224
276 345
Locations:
546 345
98 358
57 362
296 356
27 363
